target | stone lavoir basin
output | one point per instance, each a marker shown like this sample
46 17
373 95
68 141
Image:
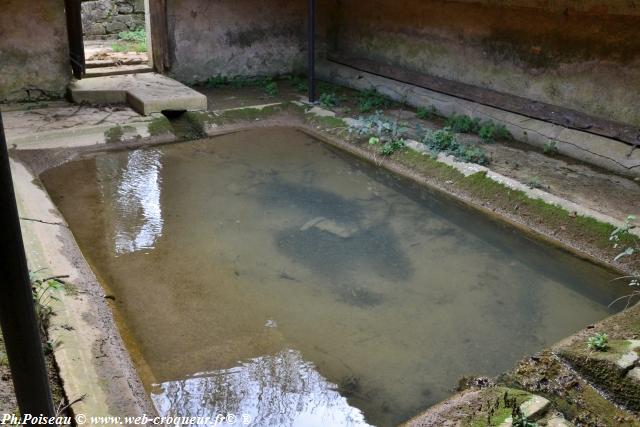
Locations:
266 273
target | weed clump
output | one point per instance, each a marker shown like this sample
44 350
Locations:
488 130
550 148
535 182
372 100
425 113
380 130
329 99
445 140
131 41
598 342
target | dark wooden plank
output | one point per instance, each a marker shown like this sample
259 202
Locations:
159 35
515 104
73 11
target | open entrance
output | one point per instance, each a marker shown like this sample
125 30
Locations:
110 37
116 37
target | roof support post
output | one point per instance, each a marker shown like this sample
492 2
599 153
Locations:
20 328
311 39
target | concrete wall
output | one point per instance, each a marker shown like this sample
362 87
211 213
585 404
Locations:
34 58
581 54
236 37
107 18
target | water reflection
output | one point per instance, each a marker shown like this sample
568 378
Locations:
138 213
278 390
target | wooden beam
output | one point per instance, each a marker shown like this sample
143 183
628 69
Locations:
159 35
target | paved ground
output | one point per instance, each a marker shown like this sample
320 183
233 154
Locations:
99 54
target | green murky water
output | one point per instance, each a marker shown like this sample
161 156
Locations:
264 273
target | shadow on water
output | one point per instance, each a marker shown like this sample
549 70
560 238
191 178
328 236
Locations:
342 237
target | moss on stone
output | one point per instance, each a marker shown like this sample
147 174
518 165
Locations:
114 134
327 122
159 126
601 367
251 113
489 399
498 195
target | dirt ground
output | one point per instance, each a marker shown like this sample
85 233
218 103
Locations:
590 186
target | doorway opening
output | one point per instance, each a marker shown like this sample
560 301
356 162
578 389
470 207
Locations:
116 37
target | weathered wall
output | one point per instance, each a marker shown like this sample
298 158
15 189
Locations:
34 58
236 37
581 54
107 18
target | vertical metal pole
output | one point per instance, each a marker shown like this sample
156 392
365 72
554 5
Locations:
311 39
17 314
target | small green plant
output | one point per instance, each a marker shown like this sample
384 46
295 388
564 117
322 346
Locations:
598 342
216 81
271 88
139 35
44 291
463 124
519 420
550 148
490 132
441 140
624 231
131 41
425 113
444 140
329 99
381 130
298 82
390 147
619 235
471 154
371 100
535 182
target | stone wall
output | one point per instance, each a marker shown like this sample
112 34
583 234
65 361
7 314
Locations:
580 54
107 18
34 55
236 37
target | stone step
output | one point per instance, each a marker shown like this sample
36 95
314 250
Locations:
533 409
146 93
116 70
614 370
114 62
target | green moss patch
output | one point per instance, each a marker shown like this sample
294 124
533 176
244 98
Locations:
499 196
159 126
601 367
493 408
114 134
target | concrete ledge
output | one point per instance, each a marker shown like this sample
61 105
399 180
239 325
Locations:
92 360
147 93
597 150
70 125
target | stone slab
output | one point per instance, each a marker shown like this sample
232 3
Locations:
146 93
69 125
116 70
